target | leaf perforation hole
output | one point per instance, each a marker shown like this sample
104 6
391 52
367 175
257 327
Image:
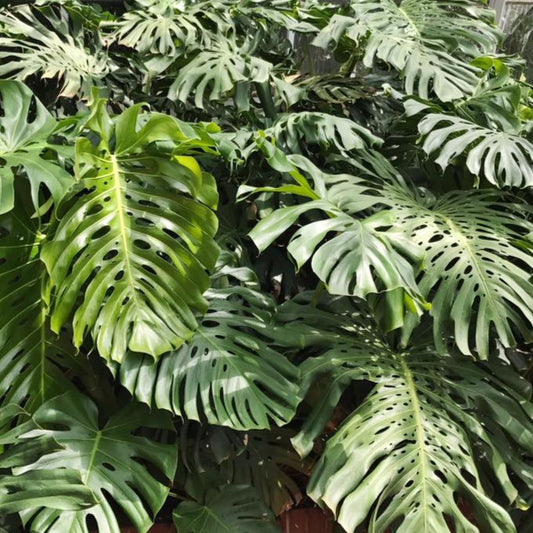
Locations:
148 203
4 232
111 255
109 292
149 269
101 232
143 245
441 476
171 233
90 522
164 256
109 466
144 222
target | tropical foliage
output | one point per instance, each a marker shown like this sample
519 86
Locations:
234 282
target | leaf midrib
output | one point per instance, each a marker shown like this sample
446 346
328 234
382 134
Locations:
123 225
420 434
481 274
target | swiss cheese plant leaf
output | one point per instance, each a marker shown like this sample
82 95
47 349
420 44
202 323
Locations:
425 40
229 373
25 126
112 461
47 41
297 130
504 159
269 463
351 255
217 72
163 27
265 460
477 267
405 456
134 243
229 508
36 364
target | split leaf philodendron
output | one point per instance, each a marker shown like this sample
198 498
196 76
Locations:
263 255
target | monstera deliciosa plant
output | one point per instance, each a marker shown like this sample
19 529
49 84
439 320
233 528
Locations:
264 254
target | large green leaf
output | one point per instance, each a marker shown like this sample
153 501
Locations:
477 267
406 454
135 240
25 126
504 159
427 41
112 461
363 257
229 373
50 42
35 364
228 509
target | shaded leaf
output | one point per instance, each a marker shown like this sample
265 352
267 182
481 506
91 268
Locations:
229 373
36 364
111 460
60 489
229 508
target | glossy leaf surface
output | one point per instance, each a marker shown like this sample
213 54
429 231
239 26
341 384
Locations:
131 252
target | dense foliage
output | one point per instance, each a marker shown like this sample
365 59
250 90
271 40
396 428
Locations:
231 284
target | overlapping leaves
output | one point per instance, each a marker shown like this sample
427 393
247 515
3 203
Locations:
36 365
363 257
50 41
54 489
110 460
425 40
264 460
